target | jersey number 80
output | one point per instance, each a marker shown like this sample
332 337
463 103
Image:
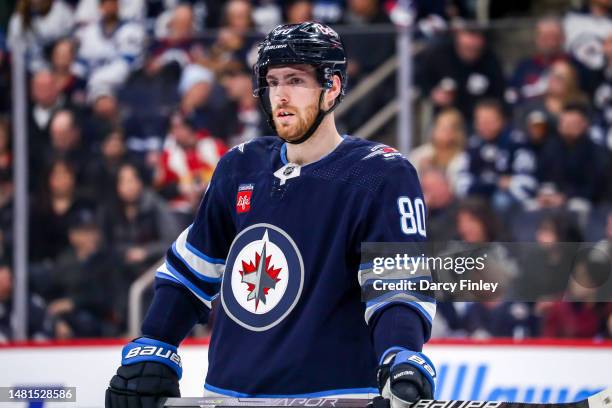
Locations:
412 216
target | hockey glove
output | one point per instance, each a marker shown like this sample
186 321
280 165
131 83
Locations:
405 377
150 370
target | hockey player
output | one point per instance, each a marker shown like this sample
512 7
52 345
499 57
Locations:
277 241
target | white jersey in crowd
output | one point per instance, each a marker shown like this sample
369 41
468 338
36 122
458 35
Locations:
584 35
43 31
108 59
88 11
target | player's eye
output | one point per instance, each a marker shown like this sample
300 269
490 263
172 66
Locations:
296 81
272 82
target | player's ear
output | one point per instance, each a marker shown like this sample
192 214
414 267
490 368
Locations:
332 93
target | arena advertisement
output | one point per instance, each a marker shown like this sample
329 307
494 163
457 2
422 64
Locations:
486 371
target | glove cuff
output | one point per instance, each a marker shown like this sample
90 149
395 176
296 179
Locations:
417 360
145 349
389 353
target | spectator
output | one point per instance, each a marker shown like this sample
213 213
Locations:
5 78
441 205
267 14
499 166
539 133
298 11
243 119
195 87
516 320
109 49
599 258
572 165
445 150
429 16
137 222
101 173
6 155
88 11
578 315
230 45
563 88
83 309
530 75
187 163
39 24
6 190
182 49
328 11
176 42
180 26
103 117
460 73
46 100
212 13
238 16
608 329
585 31
233 42
476 223
546 266
39 322
361 12
66 143
52 209
71 85
602 97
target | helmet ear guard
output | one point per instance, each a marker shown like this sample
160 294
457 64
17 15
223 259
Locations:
308 43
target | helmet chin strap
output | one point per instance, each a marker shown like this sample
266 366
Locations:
317 122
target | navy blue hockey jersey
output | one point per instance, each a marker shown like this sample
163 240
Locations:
279 244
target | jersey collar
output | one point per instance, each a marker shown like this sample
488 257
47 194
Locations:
283 152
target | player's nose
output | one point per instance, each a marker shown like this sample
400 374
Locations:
281 95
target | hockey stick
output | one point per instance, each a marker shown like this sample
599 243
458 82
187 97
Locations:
600 400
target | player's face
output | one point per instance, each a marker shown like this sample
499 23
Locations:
294 96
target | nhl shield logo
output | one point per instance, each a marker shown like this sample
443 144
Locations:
263 278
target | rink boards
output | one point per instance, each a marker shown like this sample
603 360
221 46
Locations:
541 371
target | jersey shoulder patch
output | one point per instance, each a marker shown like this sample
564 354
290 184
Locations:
368 164
379 156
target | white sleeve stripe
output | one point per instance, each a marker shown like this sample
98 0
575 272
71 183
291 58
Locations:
195 262
368 274
427 309
164 270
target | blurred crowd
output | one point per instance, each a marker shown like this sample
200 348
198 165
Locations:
524 154
132 104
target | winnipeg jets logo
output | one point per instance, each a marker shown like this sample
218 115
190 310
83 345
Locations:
260 276
263 278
